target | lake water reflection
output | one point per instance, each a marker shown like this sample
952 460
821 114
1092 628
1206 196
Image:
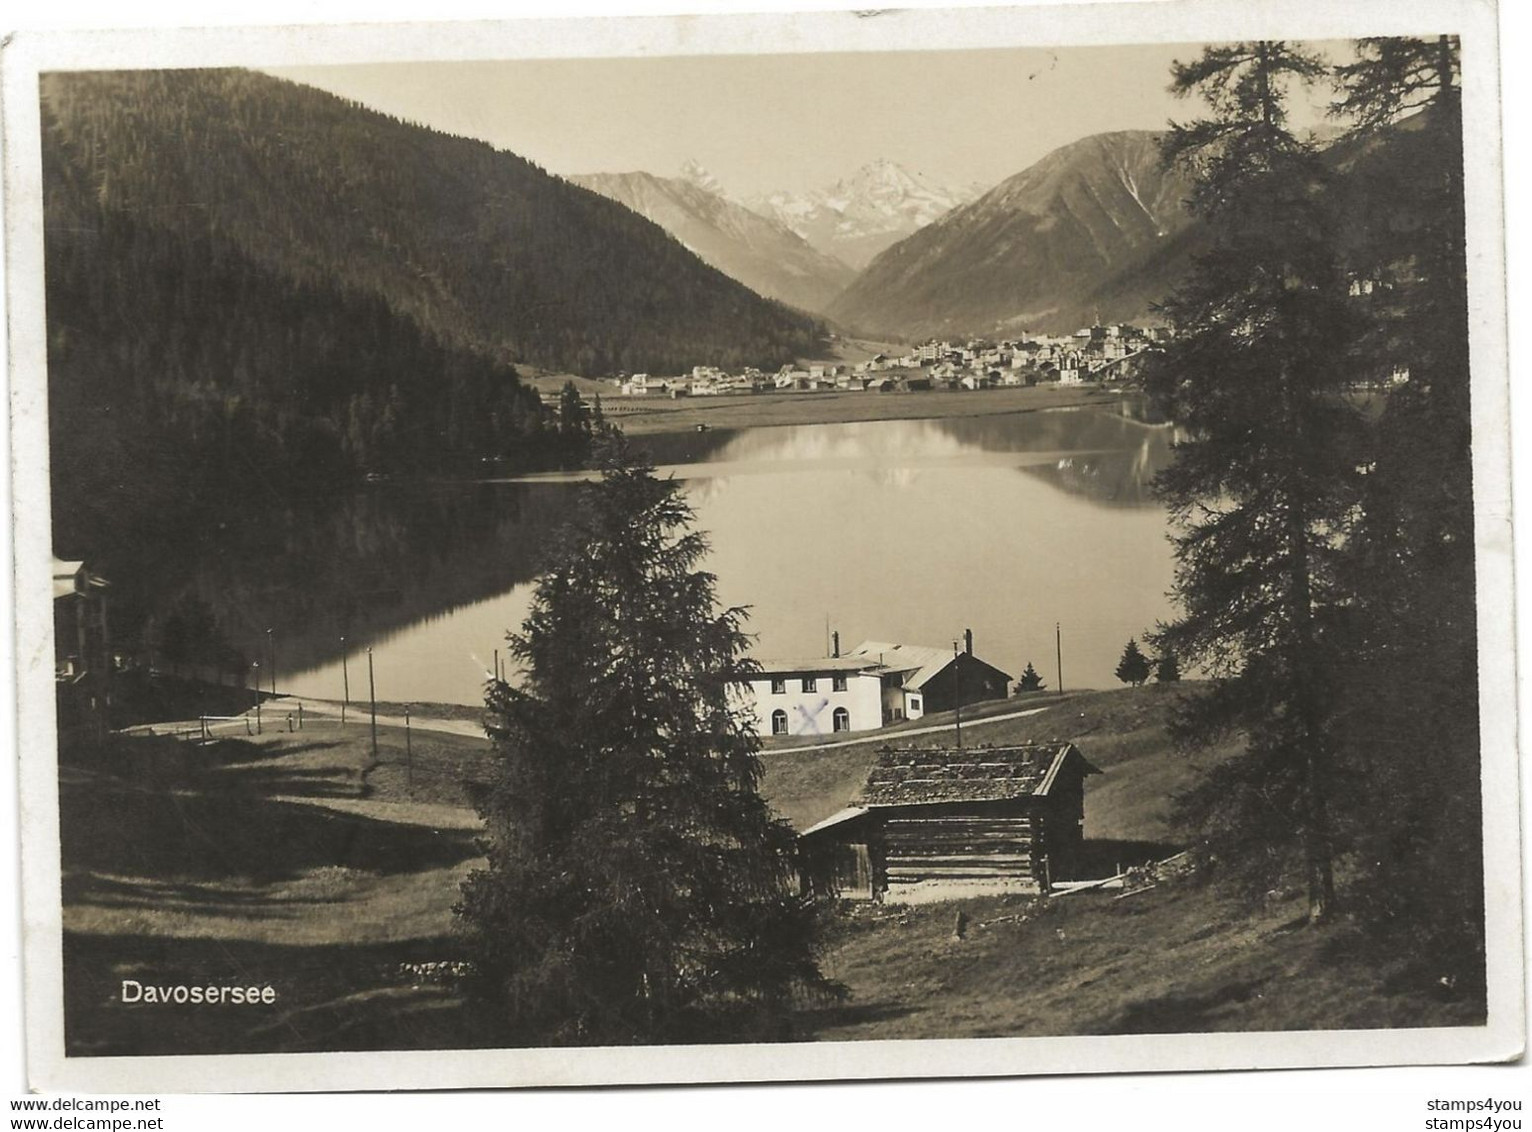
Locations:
896 530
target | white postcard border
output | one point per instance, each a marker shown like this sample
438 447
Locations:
28 54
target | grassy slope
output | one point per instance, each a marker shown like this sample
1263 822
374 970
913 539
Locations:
1121 732
1180 958
303 862
295 860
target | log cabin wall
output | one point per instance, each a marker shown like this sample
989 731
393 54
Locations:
1065 807
935 823
963 843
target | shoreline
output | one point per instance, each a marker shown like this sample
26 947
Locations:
770 410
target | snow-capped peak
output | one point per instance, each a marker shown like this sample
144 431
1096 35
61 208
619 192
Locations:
698 174
859 215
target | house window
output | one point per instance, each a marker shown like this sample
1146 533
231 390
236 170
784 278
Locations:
839 683
914 703
779 722
842 719
779 685
810 684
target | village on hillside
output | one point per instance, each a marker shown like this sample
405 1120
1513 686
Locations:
1093 353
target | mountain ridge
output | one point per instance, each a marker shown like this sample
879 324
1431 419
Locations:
1093 231
760 252
318 188
859 216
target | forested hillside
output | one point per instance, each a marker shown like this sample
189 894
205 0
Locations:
256 288
479 247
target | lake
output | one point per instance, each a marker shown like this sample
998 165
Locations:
904 531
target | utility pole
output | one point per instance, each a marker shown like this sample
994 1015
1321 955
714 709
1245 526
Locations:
372 695
409 754
255 682
1058 652
271 658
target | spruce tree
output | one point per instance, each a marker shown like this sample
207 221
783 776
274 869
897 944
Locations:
1030 681
638 888
1167 669
1261 494
1413 721
1133 668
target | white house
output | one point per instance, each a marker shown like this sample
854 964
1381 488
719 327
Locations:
876 683
818 696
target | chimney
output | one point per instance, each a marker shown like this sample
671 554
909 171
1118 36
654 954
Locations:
835 637
968 641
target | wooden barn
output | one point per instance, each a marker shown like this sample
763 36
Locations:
933 824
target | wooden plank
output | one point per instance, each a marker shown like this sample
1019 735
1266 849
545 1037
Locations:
953 872
923 828
919 848
948 831
910 860
954 823
960 835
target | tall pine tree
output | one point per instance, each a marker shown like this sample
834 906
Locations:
1412 723
1262 493
638 888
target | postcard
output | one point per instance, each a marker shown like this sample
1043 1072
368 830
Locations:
729 548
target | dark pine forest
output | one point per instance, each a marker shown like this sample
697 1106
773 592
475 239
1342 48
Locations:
258 292
252 282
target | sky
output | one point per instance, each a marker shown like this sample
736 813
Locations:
761 123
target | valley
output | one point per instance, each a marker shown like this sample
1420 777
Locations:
948 556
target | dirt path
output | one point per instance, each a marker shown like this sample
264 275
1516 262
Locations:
357 714
873 738
275 713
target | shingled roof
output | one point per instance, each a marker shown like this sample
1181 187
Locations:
907 776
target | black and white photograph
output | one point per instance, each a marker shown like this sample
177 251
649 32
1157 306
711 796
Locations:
749 548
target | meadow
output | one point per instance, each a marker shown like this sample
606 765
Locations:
303 861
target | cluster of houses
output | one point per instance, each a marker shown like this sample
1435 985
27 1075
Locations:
875 684
948 822
928 822
1093 353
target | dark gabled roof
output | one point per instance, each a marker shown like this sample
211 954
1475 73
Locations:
903 777
922 661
